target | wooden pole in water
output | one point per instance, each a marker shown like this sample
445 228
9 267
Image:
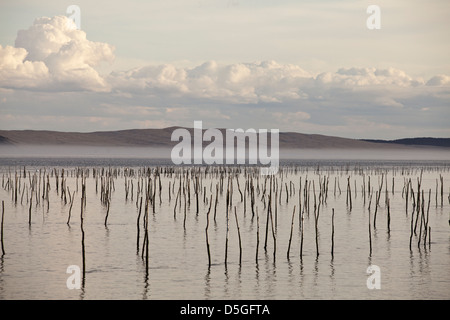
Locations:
407 193
268 215
146 240
290 237
185 212
370 237
154 196
301 217
252 198
427 219
29 210
257 234
228 225
332 234
23 192
376 207
70 209
160 188
349 194
83 253
421 220
206 232
287 193
412 227
176 202
239 188
1 233
144 220
377 196
418 204
196 192
388 215
216 202
276 208
239 236
273 235
316 218
107 212
137 225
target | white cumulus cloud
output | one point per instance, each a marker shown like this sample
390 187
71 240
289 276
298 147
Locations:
361 77
52 55
255 82
16 72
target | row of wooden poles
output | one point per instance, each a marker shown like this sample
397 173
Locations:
271 191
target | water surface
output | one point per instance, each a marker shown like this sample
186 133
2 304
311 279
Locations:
38 254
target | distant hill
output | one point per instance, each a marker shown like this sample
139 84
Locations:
436 142
162 138
4 140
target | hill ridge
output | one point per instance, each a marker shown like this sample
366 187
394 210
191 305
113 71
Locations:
162 138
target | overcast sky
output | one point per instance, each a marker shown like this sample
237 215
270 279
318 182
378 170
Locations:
305 66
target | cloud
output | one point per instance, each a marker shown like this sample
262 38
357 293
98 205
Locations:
53 55
271 83
54 68
439 80
388 102
361 77
18 73
291 118
256 82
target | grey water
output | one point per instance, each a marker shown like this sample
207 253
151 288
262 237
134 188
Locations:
38 254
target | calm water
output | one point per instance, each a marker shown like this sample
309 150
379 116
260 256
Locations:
37 255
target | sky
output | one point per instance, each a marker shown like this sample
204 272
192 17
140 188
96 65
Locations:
305 66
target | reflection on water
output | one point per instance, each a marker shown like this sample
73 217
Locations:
38 254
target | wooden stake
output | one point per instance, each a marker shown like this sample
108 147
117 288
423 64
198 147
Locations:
228 225
217 201
206 232
370 237
1 230
70 209
268 217
316 218
257 234
290 237
427 219
83 253
388 216
239 236
332 234
29 210
137 225
412 228
107 212
273 235
302 228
